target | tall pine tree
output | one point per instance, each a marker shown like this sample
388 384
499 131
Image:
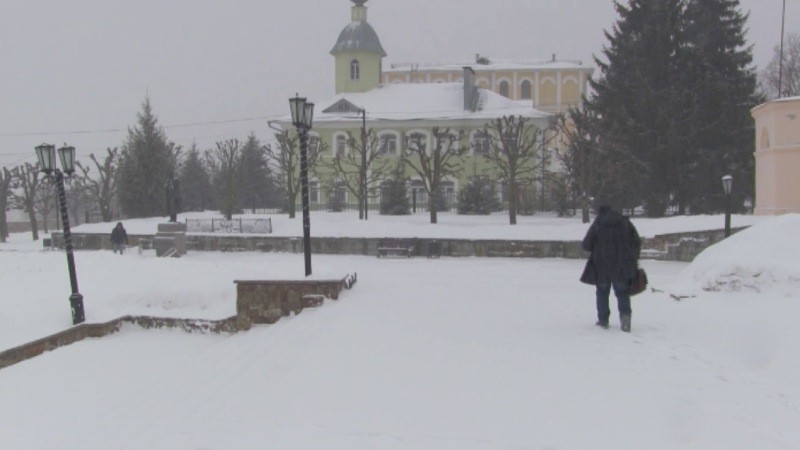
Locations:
720 70
195 181
254 180
641 103
147 161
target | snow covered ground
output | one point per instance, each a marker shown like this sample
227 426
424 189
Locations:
454 353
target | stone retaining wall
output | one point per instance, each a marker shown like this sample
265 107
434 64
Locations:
260 301
668 247
97 330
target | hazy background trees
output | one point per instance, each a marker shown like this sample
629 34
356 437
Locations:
790 81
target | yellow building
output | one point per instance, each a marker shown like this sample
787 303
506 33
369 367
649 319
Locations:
777 156
402 102
553 86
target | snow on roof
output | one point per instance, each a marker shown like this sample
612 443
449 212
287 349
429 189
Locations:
492 65
424 101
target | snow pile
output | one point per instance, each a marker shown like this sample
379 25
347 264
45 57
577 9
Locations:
757 259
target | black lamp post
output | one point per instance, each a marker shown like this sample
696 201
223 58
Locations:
727 185
47 160
302 118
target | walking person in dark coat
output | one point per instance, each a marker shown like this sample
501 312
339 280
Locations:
119 238
615 245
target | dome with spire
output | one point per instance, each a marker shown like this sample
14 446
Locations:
358 36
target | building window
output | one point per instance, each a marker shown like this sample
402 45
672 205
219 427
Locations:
480 143
525 90
355 72
387 144
504 88
340 149
313 192
314 145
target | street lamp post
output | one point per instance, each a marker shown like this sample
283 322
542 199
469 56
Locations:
47 160
302 118
727 185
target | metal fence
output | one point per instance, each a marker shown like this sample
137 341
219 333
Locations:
238 225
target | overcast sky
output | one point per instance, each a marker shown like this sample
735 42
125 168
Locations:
77 71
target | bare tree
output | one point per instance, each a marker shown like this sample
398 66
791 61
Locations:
579 157
434 166
103 188
789 80
514 144
284 160
6 179
26 183
45 201
224 163
357 169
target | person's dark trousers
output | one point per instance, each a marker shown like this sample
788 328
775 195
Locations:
621 291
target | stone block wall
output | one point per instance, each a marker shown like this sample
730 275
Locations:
266 301
670 247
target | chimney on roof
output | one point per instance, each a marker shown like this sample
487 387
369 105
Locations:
470 90
554 57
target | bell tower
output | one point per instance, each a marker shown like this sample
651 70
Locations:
358 54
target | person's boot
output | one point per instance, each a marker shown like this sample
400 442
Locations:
602 324
625 322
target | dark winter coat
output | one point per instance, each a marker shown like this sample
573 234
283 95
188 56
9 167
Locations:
615 246
119 235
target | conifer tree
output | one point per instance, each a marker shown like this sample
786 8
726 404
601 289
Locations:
723 80
195 182
394 192
642 104
254 177
147 161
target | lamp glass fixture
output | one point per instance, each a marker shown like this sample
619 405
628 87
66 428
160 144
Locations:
46 154
727 184
308 116
297 107
67 156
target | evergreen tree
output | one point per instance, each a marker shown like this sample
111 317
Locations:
254 176
147 161
478 197
723 80
394 192
195 182
642 104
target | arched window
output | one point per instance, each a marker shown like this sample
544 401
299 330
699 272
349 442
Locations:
340 145
480 143
355 72
525 90
504 88
314 144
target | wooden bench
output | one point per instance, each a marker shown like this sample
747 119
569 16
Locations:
395 247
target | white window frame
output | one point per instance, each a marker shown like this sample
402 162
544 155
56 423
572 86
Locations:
381 141
335 147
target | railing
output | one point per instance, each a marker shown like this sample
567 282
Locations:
238 225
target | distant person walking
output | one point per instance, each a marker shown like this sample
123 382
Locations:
119 238
614 244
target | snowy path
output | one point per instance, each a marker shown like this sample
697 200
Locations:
422 354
